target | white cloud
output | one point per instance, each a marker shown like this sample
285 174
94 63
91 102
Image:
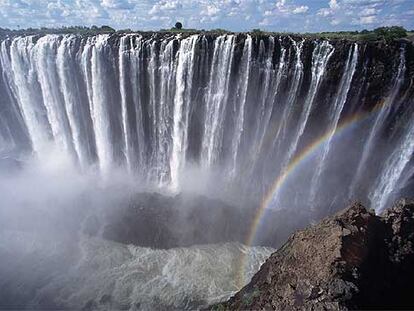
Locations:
333 5
300 9
368 11
333 8
265 22
280 4
366 20
283 7
335 22
324 12
210 10
57 10
117 4
353 12
238 15
165 5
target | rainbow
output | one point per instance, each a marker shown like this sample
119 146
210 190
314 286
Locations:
296 162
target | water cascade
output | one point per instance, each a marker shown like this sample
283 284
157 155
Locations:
235 108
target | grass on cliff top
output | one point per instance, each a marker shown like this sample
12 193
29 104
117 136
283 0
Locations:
382 33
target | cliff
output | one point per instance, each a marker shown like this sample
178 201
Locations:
221 114
352 260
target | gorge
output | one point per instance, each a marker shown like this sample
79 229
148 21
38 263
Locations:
264 132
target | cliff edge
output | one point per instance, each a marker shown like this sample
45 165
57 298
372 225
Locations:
352 260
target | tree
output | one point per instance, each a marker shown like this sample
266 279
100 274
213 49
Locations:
178 25
390 33
107 28
256 31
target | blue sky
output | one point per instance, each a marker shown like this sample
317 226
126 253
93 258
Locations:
236 15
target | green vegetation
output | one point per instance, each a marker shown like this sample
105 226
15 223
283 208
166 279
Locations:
219 31
257 31
180 30
390 33
178 27
63 30
378 34
106 29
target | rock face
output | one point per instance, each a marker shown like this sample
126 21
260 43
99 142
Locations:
352 260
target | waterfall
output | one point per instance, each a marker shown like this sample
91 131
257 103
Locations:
237 108
99 104
274 90
395 165
217 96
380 120
71 98
182 103
167 89
320 57
295 82
337 108
267 71
240 101
136 114
23 80
122 86
44 59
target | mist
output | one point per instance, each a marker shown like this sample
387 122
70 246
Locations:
53 254
150 171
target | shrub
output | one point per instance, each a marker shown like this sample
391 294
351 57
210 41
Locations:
390 33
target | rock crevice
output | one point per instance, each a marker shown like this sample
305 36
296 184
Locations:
352 260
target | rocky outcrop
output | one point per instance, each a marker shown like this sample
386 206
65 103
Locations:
352 260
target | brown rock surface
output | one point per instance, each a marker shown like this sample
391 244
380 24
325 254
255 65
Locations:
352 260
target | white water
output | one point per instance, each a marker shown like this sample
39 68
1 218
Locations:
397 162
234 108
240 101
182 99
217 97
337 108
116 276
379 121
268 92
320 57
22 77
155 112
123 54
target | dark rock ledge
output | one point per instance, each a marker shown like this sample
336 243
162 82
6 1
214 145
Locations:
352 260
